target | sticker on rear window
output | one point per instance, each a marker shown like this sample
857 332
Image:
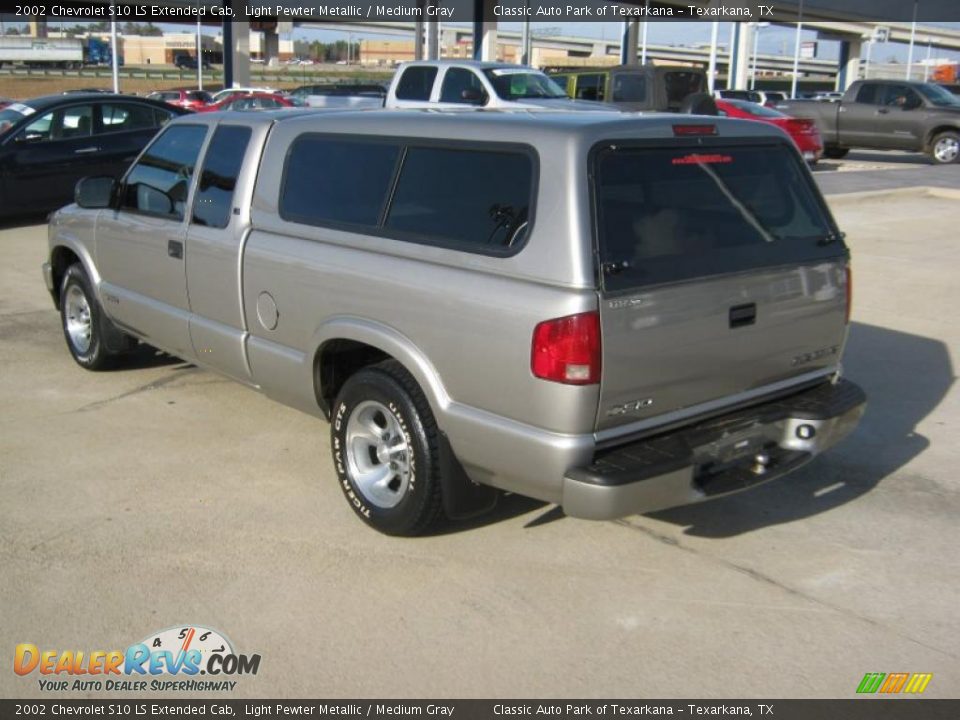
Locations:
702 159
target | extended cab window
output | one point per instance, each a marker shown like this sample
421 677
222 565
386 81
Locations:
416 83
329 180
160 181
670 214
221 168
869 94
449 196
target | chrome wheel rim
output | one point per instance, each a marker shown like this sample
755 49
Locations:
378 457
79 324
946 149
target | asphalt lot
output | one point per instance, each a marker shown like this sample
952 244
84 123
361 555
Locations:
160 495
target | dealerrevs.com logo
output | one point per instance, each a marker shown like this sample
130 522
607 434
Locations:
182 658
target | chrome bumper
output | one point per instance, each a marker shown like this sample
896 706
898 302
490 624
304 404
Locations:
717 457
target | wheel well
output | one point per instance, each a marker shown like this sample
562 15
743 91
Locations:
60 259
336 361
936 131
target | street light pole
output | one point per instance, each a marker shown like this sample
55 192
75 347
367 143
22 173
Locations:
113 53
796 52
199 52
712 71
913 32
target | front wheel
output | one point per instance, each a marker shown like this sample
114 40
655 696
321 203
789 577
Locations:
945 148
385 445
84 326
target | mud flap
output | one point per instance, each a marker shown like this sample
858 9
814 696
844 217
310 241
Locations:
462 498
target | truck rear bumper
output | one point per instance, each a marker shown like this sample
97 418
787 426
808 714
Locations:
717 457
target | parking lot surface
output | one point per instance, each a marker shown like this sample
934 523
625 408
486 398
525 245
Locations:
160 494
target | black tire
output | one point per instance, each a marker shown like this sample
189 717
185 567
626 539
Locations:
945 148
407 500
835 153
75 293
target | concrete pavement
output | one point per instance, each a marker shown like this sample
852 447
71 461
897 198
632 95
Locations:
161 495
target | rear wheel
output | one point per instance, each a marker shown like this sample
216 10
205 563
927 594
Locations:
835 153
945 148
385 446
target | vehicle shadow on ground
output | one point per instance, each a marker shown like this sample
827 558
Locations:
508 507
882 159
905 377
146 356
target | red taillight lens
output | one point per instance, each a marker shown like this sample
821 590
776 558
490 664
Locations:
849 293
567 349
803 127
686 130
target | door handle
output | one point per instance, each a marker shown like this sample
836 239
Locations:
883 111
742 315
86 150
175 249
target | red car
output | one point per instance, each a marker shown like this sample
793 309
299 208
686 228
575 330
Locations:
250 101
804 132
185 98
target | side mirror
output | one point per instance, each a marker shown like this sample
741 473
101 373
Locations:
474 96
95 192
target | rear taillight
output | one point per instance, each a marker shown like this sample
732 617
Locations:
849 293
804 127
567 349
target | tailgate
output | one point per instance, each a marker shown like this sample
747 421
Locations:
722 274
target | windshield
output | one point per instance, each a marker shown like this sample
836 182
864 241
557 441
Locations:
670 214
941 97
13 114
511 84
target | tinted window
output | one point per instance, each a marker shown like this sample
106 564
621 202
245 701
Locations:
629 87
64 124
221 166
456 82
199 96
160 181
868 94
416 83
463 196
681 83
670 214
590 87
121 117
900 96
337 181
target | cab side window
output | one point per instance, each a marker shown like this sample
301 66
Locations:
160 181
416 83
869 94
462 86
218 179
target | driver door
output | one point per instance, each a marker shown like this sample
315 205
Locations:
141 242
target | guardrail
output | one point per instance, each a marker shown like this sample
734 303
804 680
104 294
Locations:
293 74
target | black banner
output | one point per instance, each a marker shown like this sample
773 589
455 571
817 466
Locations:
860 709
467 10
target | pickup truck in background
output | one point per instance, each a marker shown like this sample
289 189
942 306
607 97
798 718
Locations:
455 84
886 115
614 312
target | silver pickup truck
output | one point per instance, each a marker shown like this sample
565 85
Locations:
615 314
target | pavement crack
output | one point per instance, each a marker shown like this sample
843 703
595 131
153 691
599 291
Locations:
767 580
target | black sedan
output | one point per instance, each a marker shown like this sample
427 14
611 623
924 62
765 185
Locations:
48 143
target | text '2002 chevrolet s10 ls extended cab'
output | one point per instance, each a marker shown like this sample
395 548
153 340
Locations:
614 313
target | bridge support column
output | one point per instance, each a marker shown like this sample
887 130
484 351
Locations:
433 36
236 47
848 67
271 47
629 42
484 31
